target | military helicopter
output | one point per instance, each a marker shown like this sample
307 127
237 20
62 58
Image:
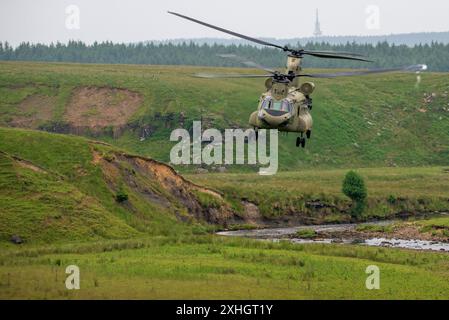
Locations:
287 103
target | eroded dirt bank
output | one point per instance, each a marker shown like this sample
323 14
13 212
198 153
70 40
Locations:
161 185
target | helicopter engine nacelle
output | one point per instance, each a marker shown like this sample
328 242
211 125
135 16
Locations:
307 88
293 64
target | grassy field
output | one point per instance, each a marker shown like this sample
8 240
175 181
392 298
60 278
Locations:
215 268
372 121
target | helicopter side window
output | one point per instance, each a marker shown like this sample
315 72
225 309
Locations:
286 106
267 104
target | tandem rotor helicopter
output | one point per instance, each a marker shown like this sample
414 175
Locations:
287 103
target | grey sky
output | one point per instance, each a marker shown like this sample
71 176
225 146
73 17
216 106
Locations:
140 20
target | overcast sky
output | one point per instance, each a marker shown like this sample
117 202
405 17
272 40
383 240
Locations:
141 20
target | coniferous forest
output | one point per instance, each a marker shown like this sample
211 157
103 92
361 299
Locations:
435 55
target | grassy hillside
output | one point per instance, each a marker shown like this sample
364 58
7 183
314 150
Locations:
369 121
66 188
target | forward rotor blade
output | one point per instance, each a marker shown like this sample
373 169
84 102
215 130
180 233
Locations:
228 31
342 53
230 76
413 68
299 53
246 62
334 56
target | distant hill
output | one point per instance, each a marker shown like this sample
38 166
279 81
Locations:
409 39
378 120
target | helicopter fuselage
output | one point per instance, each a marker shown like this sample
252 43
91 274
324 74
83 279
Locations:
290 114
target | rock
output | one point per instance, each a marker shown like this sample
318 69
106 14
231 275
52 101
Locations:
16 239
221 169
201 171
316 204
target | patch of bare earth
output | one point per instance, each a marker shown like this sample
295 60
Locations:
146 171
33 111
251 214
97 108
28 165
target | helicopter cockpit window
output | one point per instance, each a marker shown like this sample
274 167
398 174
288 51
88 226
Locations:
283 105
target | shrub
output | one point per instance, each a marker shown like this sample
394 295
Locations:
391 199
354 188
121 196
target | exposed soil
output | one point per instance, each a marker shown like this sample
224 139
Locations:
33 111
252 214
95 108
161 185
29 165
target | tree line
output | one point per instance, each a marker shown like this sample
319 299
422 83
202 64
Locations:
385 55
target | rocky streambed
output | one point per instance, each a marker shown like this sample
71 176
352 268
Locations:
370 234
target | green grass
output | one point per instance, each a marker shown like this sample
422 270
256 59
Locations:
216 268
371 121
436 226
306 234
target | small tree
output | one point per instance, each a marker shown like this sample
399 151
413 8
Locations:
354 187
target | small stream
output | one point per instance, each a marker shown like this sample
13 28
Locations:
285 234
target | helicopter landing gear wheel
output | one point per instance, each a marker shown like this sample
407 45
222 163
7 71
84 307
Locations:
309 134
300 142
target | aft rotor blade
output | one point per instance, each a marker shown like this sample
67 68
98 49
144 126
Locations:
246 62
230 76
413 68
242 36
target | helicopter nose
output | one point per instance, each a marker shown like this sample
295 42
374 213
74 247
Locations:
276 113
274 117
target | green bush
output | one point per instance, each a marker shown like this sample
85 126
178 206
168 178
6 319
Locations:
391 199
354 188
121 196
